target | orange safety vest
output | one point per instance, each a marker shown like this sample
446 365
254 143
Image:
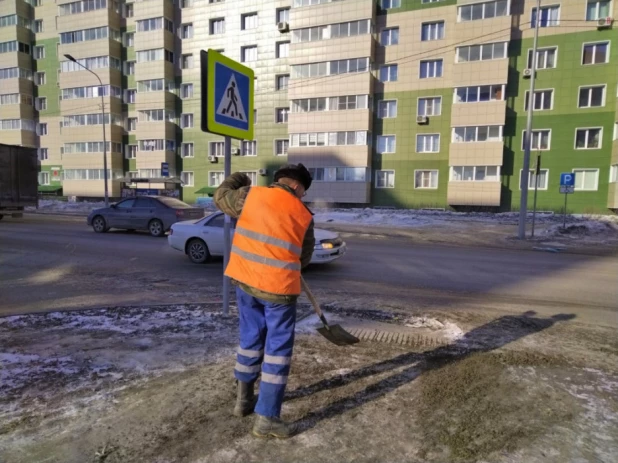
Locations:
268 241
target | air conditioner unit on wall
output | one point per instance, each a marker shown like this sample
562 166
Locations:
422 119
236 151
604 22
212 159
263 172
527 73
283 27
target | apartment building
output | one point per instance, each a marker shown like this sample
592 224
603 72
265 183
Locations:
402 103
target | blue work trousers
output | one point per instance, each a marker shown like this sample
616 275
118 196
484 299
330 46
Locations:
266 345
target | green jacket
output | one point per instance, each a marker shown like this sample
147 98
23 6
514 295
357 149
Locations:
230 199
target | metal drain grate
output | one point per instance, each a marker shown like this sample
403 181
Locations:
403 339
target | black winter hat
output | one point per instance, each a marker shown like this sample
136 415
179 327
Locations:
296 172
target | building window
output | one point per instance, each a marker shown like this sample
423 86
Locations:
129 10
431 69
479 94
586 179
484 52
186 121
43 177
387 109
131 152
283 49
588 139
426 179
386 144
249 21
427 143
545 58
390 36
43 155
592 97
385 179
613 174
187 3
129 68
186 178
483 133
596 53
281 115
475 174
543 100
186 61
40 103
432 31
431 106
248 54
539 182
550 16
598 9
42 129
38 25
38 52
39 78
130 95
186 91
282 81
249 148
486 10
283 15
129 39
186 31
131 124
281 147
329 138
217 26
389 4
186 150
255 119
216 148
388 73
540 140
215 178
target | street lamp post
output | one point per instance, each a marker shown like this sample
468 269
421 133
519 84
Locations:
106 192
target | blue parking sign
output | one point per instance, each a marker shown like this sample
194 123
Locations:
165 169
567 179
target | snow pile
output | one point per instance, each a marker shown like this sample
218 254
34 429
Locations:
602 228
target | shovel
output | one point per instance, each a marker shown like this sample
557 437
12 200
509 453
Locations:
334 333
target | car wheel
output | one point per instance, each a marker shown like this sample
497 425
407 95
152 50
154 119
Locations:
155 227
99 225
1 216
198 251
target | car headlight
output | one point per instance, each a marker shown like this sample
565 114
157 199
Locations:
324 246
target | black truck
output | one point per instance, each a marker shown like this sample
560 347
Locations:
19 179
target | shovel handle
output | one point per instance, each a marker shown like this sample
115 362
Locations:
314 302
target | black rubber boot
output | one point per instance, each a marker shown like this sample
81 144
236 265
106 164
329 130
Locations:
273 427
245 399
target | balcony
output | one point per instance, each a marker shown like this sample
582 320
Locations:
88 20
84 78
476 153
481 72
19 137
314 15
330 121
331 156
160 69
153 9
102 47
474 193
339 192
481 113
360 83
332 49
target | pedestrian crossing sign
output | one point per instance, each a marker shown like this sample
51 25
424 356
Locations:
227 103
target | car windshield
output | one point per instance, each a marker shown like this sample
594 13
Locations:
174 203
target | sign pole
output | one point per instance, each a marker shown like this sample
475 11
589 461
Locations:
564 215
523 203
536 190
227 227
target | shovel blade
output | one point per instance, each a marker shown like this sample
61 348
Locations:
337 335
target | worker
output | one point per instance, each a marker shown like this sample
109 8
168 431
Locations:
272 242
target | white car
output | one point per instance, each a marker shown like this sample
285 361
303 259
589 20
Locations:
203 238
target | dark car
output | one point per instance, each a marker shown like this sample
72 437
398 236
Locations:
153 213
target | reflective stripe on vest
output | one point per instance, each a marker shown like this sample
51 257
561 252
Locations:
268 241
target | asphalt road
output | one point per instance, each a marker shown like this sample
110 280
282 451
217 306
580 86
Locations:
49 262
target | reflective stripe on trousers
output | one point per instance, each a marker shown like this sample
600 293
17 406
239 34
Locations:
267 327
